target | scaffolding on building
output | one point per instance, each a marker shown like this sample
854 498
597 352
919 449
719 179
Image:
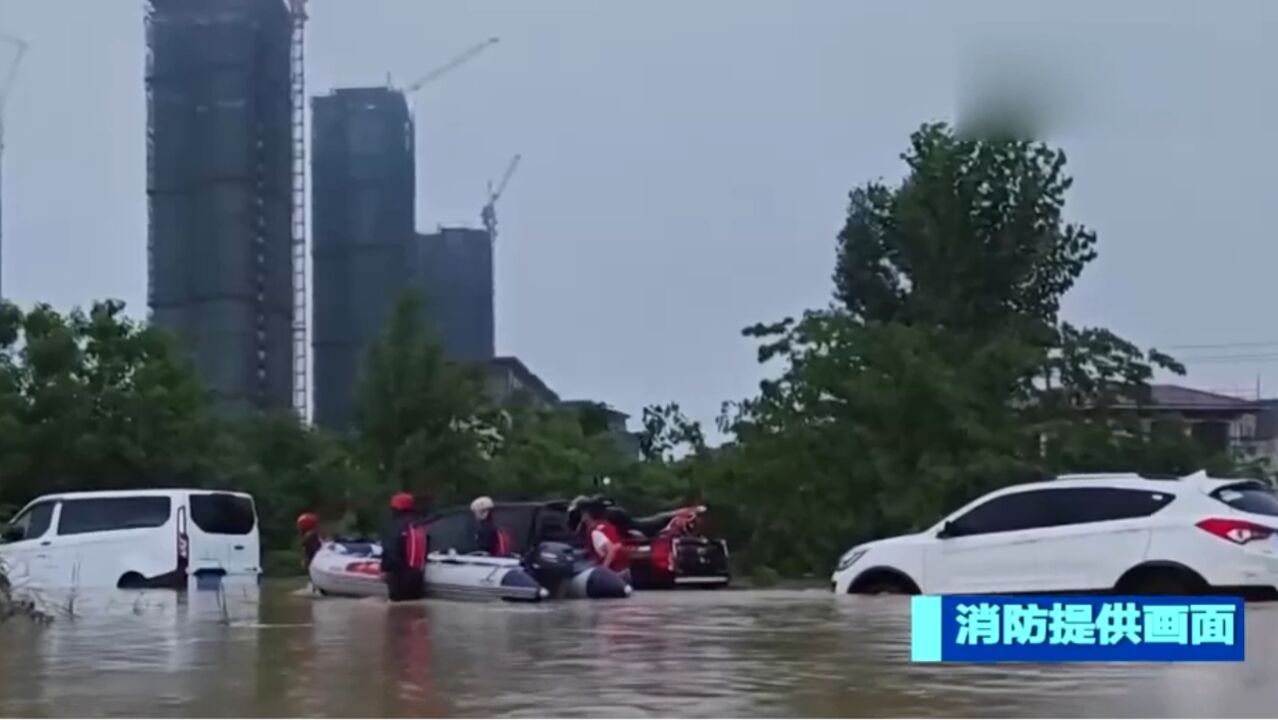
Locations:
298 92
221 192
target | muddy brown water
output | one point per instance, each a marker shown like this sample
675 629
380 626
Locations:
276 652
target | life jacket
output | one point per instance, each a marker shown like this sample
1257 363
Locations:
415 545
503 542
621 558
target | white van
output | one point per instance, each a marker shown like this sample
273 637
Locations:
131 538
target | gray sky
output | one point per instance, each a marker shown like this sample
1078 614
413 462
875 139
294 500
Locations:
686 164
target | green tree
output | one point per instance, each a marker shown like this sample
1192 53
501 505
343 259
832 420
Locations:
96 401
942 369
550 452
422 419
290 468
667 432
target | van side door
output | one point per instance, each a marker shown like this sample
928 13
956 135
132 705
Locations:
27 550
223 533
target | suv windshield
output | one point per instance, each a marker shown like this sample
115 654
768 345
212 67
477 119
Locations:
1249 497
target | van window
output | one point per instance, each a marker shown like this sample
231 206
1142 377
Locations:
106 514
223 513
31 524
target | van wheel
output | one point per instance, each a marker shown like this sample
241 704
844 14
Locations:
131 581
1161 581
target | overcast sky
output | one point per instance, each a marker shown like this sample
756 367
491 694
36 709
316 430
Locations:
686 165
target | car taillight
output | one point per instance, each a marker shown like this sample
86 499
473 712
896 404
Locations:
1236 531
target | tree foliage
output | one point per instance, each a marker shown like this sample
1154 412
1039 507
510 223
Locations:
423 420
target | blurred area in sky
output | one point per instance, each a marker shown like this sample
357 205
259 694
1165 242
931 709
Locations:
1028 83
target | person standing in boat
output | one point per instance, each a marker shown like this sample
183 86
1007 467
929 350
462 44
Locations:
308 528
404 551
603 540
488 537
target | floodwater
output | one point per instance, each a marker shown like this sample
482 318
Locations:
276 652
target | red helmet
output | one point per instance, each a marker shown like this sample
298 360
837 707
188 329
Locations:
307 522
402 502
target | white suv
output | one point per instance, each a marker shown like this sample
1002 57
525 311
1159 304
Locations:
1114 532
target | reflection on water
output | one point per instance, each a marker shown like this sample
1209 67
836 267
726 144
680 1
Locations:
272 652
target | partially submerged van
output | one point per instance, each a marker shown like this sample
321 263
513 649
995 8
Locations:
131 539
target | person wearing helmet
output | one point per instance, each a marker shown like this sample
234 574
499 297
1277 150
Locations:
404 551
308 528
488 537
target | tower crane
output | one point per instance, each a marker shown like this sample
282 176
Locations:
489 213
6 84
461 59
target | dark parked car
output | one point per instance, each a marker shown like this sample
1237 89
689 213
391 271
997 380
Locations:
667 550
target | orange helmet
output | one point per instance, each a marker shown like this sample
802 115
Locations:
402 502
307 522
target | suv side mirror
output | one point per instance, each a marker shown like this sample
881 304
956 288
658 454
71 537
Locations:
11 534
948 530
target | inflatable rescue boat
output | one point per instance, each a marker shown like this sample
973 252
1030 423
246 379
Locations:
354 569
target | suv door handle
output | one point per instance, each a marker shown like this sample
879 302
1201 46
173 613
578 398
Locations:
46 543
239 547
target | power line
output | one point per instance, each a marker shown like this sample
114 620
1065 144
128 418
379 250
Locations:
1224 345
1218 359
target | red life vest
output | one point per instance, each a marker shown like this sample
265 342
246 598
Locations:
415 546
503 542
620 559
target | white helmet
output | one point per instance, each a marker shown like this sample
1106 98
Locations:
481 504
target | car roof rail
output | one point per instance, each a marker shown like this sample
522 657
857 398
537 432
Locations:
1128 475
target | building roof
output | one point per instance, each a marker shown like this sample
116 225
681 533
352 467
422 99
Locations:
1178 397
583 404
516 367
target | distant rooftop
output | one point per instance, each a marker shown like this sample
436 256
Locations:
516 367
1183 398
583 404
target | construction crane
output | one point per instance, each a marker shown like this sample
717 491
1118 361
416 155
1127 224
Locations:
297 94
5 86
450 65
489 213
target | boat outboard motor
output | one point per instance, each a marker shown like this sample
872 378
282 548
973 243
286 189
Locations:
552 564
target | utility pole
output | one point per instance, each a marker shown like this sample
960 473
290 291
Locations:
6 85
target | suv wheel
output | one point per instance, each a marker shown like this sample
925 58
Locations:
1162 581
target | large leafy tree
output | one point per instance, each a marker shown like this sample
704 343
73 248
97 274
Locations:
942 368
552 452
95 400
423 420
291 468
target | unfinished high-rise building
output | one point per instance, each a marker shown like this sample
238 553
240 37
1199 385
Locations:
363 183
453 270
221 183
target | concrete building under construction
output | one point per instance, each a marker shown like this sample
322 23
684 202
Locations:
453 269
222 184
363 181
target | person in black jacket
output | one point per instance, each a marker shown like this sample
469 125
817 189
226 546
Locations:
404 551
488 537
